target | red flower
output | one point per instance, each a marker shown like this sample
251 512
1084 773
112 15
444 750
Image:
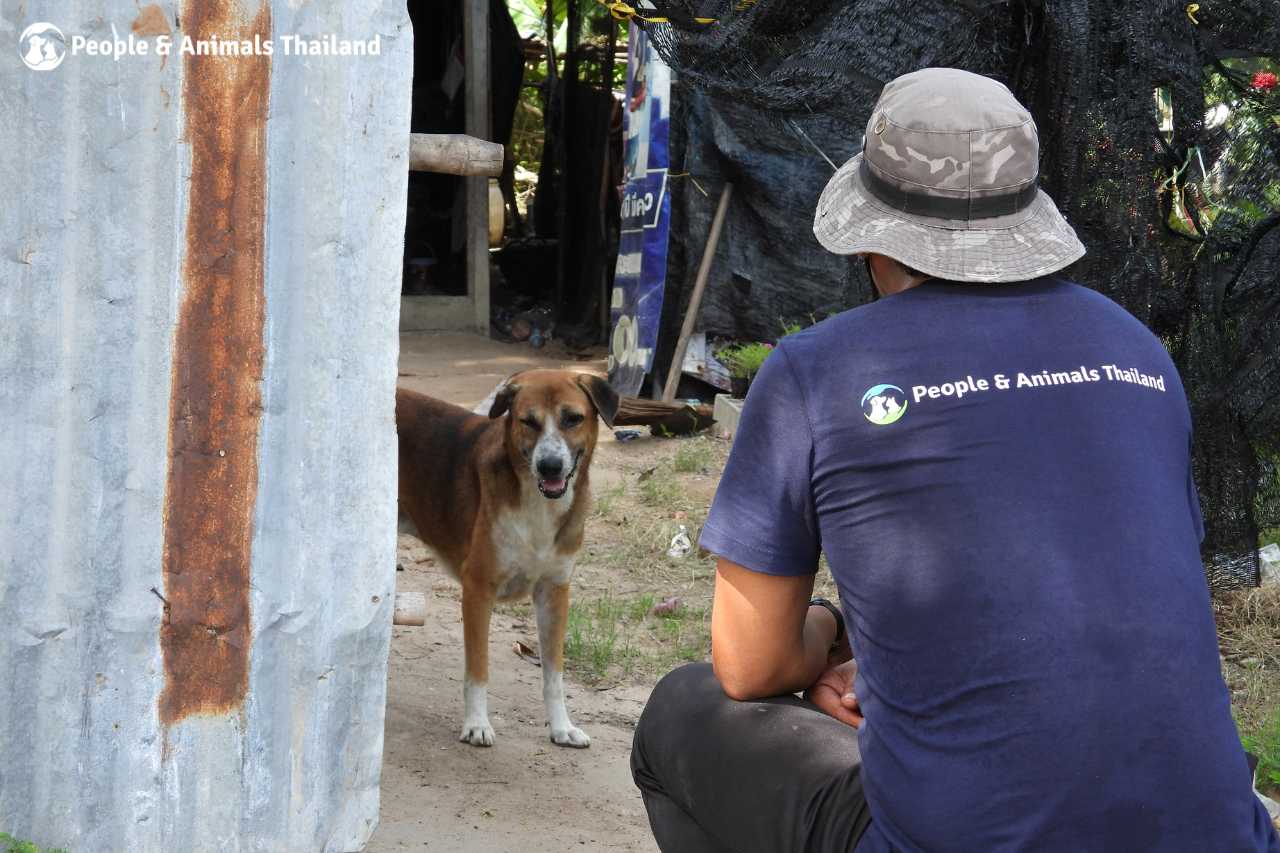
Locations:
1264 81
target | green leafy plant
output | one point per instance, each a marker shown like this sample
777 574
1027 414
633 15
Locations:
745 360
9 844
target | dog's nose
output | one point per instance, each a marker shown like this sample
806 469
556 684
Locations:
550 468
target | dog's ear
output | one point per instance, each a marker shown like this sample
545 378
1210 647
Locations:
602 395
502 402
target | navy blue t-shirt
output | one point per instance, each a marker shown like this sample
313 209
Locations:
999 477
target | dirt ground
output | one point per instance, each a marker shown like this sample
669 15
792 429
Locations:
523 794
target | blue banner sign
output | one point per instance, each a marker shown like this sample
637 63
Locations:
636 303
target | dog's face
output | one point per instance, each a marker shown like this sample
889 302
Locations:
551 423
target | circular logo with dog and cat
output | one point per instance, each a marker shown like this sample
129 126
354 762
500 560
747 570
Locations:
42 47
884 404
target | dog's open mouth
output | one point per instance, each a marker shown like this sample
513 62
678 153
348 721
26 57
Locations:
553 488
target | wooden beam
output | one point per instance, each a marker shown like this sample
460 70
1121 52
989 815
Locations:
663 418
454 154
475 35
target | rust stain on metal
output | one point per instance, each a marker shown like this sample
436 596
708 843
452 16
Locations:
151 22
215 404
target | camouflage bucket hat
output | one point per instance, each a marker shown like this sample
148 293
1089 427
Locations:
946 184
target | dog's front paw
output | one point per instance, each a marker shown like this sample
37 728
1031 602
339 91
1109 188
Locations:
572 736
477 733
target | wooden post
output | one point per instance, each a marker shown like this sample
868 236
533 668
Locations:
605 187
454 154
695 301
475 26
573 25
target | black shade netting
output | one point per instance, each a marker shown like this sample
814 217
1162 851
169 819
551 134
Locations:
1160 140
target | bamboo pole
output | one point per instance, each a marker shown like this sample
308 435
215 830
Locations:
695 301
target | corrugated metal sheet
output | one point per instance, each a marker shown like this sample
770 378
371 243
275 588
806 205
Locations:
199 291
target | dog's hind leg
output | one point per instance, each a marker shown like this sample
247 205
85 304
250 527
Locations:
551 602
477 606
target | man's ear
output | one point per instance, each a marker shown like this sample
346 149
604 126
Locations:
602 395
502 402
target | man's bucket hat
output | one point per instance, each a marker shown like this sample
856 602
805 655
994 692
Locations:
946 184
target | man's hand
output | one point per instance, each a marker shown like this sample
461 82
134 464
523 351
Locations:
833 694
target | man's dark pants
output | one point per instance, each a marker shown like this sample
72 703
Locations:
721 775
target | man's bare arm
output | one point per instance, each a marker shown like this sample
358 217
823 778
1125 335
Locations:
765 639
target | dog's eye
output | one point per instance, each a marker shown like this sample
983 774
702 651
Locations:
570 420
531 422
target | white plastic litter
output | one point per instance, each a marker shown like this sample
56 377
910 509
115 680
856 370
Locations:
681 544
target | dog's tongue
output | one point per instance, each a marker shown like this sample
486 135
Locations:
553 485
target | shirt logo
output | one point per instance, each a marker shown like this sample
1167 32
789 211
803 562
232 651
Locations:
883 404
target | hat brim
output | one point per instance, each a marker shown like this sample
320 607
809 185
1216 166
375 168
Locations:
1034 242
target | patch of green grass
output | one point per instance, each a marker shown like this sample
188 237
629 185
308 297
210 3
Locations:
685 635
620 637
1264 742
1249 638
9 844
662 491
640 606
591 641
607 500
682 635
693 456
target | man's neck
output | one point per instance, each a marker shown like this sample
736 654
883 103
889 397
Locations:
890 278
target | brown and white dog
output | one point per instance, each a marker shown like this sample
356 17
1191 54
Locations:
502 501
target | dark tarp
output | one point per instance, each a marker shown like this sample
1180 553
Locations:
1197 261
